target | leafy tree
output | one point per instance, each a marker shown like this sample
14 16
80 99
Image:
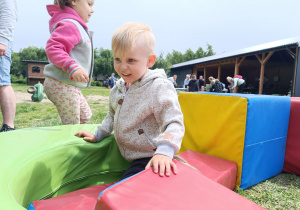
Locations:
16 66
29 53
200 53
209 50
175 57
103 62
162 63
33 53
189 55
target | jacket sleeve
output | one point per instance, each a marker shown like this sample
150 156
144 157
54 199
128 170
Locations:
168 114
8 19
235 80
63 39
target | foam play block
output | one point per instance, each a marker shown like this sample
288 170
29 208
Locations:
189 189
292 153
40 163
77 200
217 169
250 130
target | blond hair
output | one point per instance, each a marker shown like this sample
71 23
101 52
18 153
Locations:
124 37
229 79
210 78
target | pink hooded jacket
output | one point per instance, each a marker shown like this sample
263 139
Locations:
69 47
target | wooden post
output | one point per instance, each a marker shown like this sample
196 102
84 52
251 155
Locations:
195 70
262 73
236 71
263 62
219 72
236 67
238 62
295 71
204 74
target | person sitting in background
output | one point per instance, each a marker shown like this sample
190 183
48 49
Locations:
111 82
193 85
201 83
216 86
210 79
186 81
224 90
237 82
106 83
173 80
230 90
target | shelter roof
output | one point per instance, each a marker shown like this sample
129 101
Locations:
294 41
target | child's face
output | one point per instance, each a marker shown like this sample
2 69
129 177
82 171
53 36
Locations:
134 63
84 8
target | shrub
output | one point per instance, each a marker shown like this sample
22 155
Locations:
96 83
19 80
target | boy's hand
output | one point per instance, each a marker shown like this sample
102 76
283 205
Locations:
162 164
80 76
87 136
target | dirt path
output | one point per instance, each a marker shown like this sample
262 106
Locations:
26 97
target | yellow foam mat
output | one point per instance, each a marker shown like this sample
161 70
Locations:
215 125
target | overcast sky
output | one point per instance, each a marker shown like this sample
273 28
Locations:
177 24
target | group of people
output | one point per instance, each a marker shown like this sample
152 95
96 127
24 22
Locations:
219 87
144 111
194 85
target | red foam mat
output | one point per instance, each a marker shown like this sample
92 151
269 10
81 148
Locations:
189 189
217 169
292 152
84 199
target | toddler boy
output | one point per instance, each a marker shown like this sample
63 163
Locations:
144 111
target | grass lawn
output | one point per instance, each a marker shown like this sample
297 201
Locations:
279 192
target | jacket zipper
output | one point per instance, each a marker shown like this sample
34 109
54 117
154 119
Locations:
92 60
117 130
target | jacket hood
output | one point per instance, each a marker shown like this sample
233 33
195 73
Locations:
57 14
150 75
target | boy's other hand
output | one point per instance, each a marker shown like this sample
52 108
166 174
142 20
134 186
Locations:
87 136
80 76
162 165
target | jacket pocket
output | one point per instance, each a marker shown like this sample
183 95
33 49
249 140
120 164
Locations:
144 137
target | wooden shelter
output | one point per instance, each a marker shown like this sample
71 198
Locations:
35 71
269 68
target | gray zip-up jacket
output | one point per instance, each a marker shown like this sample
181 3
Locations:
8 19
146 118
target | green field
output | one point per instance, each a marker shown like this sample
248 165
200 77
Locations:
280 192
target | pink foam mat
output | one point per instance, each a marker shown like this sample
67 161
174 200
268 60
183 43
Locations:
189 189
84 199
217 169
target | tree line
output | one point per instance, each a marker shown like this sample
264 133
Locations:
103 59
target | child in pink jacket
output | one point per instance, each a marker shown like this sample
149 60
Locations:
70 54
